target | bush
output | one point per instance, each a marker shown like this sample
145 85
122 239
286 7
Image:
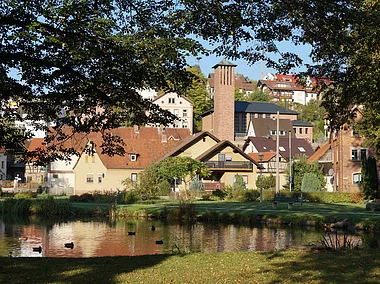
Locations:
130 196
85 197
219 194
373 206
268 182
310 183
26 195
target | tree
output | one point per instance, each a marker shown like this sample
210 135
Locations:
313 113
310 183
239 183
369 178
300 168
198 94
268 182
62 61
183 168
259 96
76 55
239 96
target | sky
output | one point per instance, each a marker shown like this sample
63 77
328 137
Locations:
251 71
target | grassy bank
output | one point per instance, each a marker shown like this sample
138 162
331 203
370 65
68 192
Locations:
359 266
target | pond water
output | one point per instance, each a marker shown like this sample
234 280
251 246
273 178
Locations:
102 237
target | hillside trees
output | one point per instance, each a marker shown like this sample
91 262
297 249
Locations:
198 94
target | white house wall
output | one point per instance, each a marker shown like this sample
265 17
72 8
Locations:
3 166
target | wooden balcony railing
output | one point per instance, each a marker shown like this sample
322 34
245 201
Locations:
228 164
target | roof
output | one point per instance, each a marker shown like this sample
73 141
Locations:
261 107
189 141
267 156
299 146
167 93
147 143
319 153
263 126
220 146
301 123
224 62
282 85
37 143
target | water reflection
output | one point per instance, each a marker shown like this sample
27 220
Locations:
93 238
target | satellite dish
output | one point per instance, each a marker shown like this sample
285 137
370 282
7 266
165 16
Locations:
331 172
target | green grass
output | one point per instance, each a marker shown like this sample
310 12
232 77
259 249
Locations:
356 266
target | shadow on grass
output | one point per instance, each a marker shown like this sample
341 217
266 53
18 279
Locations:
84 270
356 266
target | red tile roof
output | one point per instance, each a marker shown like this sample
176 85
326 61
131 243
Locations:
148 144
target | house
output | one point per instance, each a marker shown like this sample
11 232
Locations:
288 88
143 146
267 146
303 130
268 162
341 157
323 155
267 127
3 164
178 105
299 146
35 173
222 158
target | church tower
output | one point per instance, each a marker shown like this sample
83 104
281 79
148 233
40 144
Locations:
224 100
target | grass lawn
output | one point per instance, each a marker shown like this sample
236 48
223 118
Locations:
356 266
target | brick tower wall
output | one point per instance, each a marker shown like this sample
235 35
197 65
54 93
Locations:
224 102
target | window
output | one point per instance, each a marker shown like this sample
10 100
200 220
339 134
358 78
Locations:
100 177
2 164
306 130
295 130
282 149
300 130
354 155
261 115
86 158
301 149
171 101
273 132
184 114
267 115
363 154
55 175
132 157
245 178
228 158
92 159
282 132
89 178
357 178
184 125
134 177
176 112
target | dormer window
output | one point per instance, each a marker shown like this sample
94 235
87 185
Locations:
132 157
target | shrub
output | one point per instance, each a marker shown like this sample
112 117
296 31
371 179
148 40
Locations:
130 196
164 188
26 195
219 194
268 182
372 206
310 183
239 183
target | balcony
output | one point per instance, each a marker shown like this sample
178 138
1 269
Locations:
223 165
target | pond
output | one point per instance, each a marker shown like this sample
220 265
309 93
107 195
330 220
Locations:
129 237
